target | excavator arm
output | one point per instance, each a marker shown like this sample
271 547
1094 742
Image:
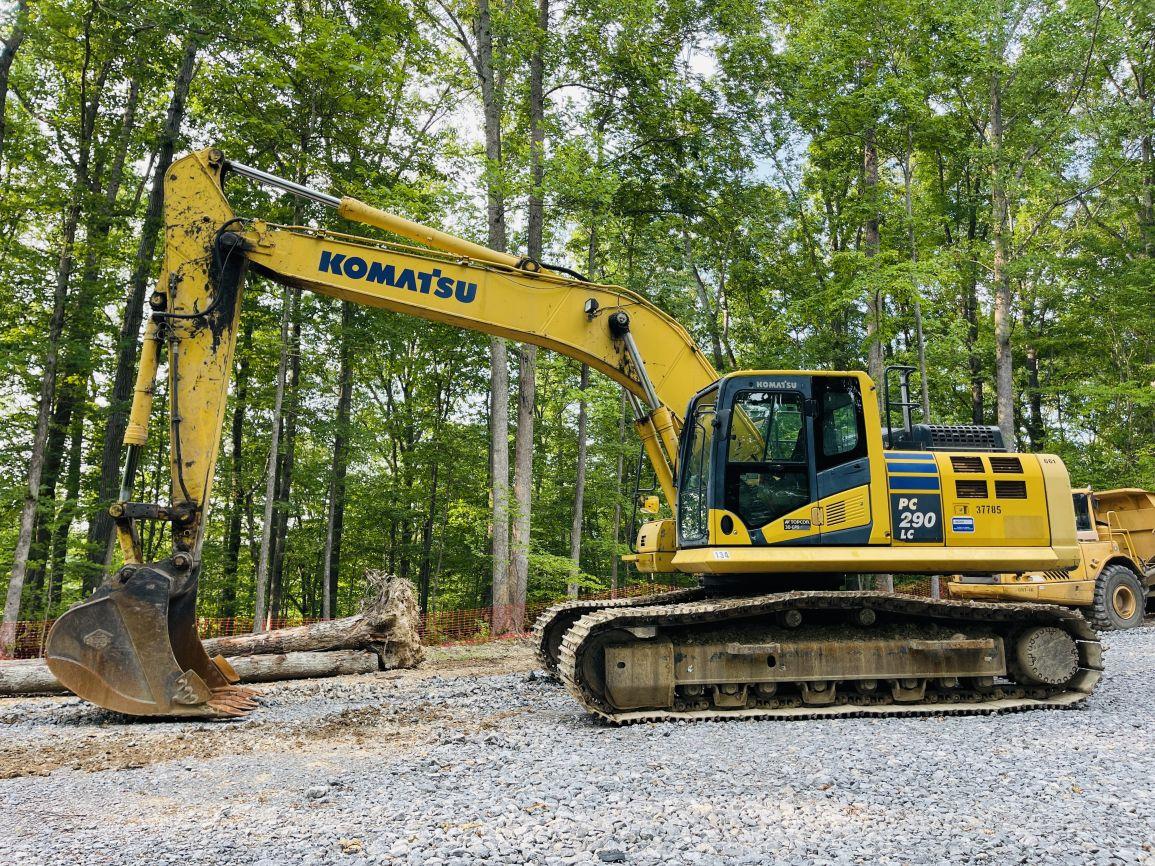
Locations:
133 646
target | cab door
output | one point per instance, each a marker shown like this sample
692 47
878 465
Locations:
842 461
767 469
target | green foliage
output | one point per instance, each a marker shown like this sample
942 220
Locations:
707 155
549 576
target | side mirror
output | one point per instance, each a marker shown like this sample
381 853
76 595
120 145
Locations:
650 505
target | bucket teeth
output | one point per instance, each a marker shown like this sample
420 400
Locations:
240 691
229 702
226 669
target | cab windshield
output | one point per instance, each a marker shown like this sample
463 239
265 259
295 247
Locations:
767 460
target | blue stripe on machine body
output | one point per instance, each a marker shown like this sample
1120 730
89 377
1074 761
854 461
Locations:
913 482
903 468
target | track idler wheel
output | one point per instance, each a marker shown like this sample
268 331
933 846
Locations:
1044 656
133 648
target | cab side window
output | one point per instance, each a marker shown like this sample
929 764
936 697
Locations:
1083 522
693 490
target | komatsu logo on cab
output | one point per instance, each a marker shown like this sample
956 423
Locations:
423 282
776 384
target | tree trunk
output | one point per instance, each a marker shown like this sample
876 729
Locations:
704 300
260 606
40 437
871 245
100 526
971 307
351 632
1147 208
575 534
427 543
491 104
305 665
237 478
28 677
45 522
62 529
907 179
1004 365
406 520
615 558
1142 72
335 525
7 55
1036 431
287 462
34 677
522 486
527 357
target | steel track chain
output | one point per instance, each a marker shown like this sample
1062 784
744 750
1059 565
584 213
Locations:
997 700
567 609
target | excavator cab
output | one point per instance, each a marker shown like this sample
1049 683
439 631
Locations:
762 454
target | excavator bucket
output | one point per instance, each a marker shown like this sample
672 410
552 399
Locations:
133 648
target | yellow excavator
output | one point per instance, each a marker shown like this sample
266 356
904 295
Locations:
781 484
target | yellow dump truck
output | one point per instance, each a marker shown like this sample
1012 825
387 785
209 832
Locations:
1111 583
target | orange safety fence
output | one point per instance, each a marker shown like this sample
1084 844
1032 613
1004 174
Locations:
31 634
475 625
436 627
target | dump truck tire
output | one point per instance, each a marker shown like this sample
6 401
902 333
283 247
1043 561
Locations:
1119 600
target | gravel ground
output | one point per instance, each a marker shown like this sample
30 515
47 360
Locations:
476 759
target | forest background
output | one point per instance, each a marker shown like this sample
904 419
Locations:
804 184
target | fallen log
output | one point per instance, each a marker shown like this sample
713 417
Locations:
32 677
27 677
304 665
352 632
387 624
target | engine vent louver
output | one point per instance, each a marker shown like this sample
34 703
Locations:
1011 489
836 513
1006 465
967 464
970 489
